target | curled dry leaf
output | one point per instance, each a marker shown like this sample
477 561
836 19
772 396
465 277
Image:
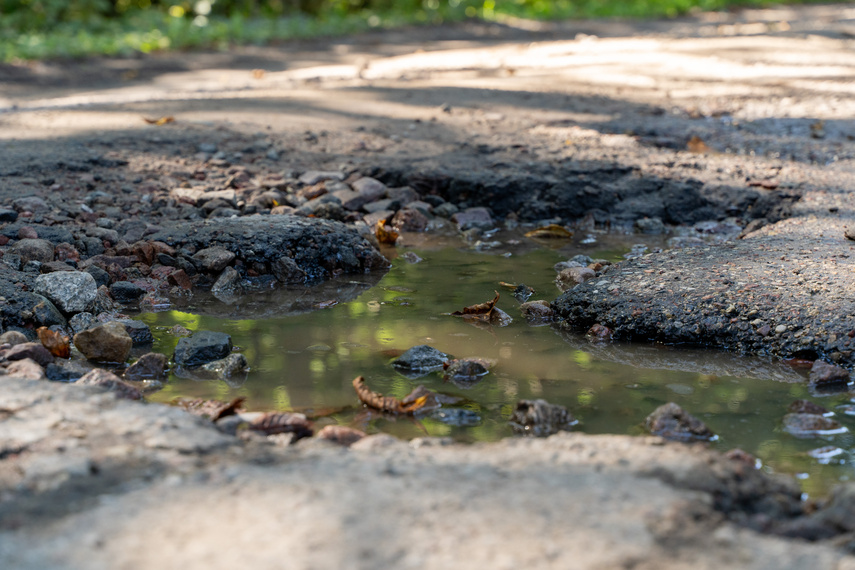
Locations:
57 343
258 73
282 422
385 234
161 121
211 409
697 145
415 401
479 309
552 231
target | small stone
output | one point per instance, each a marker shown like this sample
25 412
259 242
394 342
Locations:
225 368
822 373
109 342
811 425
180 279
227 282
12 338
70 291
341 435
31 350
149 366
33 250
538 310
420 360
807 407
473 218
26 368
81 321
214 259
108 380
599 333
369 188
201 348
286 271
403 195
126 292
650 226
32 204
572 276
27 232
311 177
139 332
45 313
540 418
465 372
54 266
101 277
409 220
672 422
781 329
7 215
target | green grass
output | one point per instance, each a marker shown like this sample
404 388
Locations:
153 30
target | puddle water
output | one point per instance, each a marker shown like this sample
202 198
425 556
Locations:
307 361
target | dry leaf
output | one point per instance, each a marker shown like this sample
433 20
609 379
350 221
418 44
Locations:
697 145
161 121
479 309
765 184
385 234
258 73
552 231
211 409
57 343
282 422
417 400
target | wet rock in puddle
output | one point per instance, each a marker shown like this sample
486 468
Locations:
150 366
126 292
457 417
287 271
540 418
227 285
34 351
673 422
232 369
410 257
599 333
419 361
522 292
109 342
811 425
202 347
827 454
742 456
70 291
139 332
466 372
807 407
108 380
342 435
539 311
572 276
823 374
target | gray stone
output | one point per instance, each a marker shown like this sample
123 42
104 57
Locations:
823 373
369 188
445 210
12 338
139 332
224 368
287 271
81 321
420 360
33 250
31 204
109 342
404 195
26 368
70 291
540 418
311 177
150 366
673 422
32 350
214 259
473 218
126 292
45 313
111 382
572 276
202 347
7 215
227 284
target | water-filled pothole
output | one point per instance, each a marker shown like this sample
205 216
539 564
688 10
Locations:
307 361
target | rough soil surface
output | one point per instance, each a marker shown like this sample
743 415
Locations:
709 125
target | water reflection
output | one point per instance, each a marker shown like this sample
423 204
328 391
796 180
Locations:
307 361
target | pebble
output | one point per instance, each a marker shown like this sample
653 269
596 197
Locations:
823 373
214 259
202 347
311 177
126 292
419 360
12 338
108 380
540 418
473 218
70 291
149 366
33 250
109 342
572 276
672 422
341 435
30 350
26 368
811 425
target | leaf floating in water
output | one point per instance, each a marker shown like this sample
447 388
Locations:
697 145
57 343
211 409
484 314
385 234
326 304
282 422
552 231
419 399
479 309
161 121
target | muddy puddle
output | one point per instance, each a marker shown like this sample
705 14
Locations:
306 361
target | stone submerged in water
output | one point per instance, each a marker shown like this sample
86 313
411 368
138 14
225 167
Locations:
673 422
823 373
540 418
420 360
202 347
150 366
807 407
109 342
465 372
811 425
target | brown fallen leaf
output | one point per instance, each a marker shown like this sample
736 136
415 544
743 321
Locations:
697 145
552 231
161 121
415 401
211 409
385 234
765 184
479 309
57 343
258 73
282 422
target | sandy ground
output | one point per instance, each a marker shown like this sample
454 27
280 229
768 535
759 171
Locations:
90 482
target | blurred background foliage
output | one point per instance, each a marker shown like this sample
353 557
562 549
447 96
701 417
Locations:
31 29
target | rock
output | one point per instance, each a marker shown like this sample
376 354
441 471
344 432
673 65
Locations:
803 425
81 321
287 271
419 360
149 366
311 177
465 372
139 332
102 278
473 218
457 417
599 333
807 407
33 250
180 279
45 313
54 266
341 435
201 348
27 232
228 282
126 292
31 350
822 373
370 188
225 368
12 338
403 195
672 422
70 291
650 226
214 259
540 418
26 368
103 303
409 220
446 210
109 342
65 370
539 310
32 204
572 276
7 215
108 380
